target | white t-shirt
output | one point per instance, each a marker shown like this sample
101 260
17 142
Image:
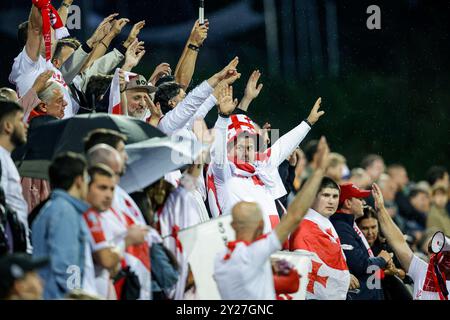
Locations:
246 272
25 71
107 230
418 271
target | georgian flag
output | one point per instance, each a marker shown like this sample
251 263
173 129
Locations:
114 94
329 277
240 123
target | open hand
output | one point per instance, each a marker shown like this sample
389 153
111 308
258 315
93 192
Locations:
315 114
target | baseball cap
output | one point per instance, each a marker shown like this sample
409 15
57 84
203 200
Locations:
139 82
349 190
14 267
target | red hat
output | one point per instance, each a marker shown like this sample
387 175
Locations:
238 124
349 190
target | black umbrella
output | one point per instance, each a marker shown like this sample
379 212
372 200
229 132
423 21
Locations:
47 139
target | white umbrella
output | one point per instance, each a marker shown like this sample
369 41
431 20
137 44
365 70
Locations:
150 160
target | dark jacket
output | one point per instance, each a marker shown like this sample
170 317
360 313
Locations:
358 259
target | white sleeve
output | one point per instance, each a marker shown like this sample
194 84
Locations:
178 117
219 157
417 269
260 250
22 64
202 111
284 146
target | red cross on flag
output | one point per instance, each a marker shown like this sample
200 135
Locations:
329 277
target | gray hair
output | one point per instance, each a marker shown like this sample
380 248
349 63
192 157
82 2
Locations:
47 95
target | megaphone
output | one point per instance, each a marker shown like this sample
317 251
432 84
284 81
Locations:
439 242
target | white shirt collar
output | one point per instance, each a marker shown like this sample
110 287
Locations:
3 150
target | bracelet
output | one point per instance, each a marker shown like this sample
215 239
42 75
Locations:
193 47
66 5
104 44
309 123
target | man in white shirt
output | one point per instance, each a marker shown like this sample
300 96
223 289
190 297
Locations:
243 270
13 133
68 60
423 274
239 173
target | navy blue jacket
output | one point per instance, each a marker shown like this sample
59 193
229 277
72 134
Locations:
358 259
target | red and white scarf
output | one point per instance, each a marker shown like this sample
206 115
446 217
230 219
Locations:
50 19
363 239
435 280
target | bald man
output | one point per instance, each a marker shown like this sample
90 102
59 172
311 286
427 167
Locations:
243 271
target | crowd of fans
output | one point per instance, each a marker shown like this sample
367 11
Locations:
79 235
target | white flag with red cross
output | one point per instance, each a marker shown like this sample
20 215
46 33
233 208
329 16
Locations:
329 277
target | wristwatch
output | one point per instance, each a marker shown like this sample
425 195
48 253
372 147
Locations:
309 123
193 47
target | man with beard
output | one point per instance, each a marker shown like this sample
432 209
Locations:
13 133
136 92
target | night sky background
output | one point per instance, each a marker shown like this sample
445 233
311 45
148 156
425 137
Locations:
384 91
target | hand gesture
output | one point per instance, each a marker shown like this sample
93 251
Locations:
118 25
161 70
136 235
102 30
377 197
354 283
134 33
252 89
386 256
155 109
122 80
225 101
134 54
41 83
321 158
315 114
199 33
228 73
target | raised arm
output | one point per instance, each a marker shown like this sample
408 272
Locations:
34 34
63 10
304 199
390 230
178 117
186 65
108 29
285 145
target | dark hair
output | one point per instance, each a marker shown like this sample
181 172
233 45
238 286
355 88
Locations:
415 191
368 160
65 168
144 204
22 33
97 86
106 136
369 212
66 42
328 183
101 170
164 79
165 93
310 149
435 173
8 108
